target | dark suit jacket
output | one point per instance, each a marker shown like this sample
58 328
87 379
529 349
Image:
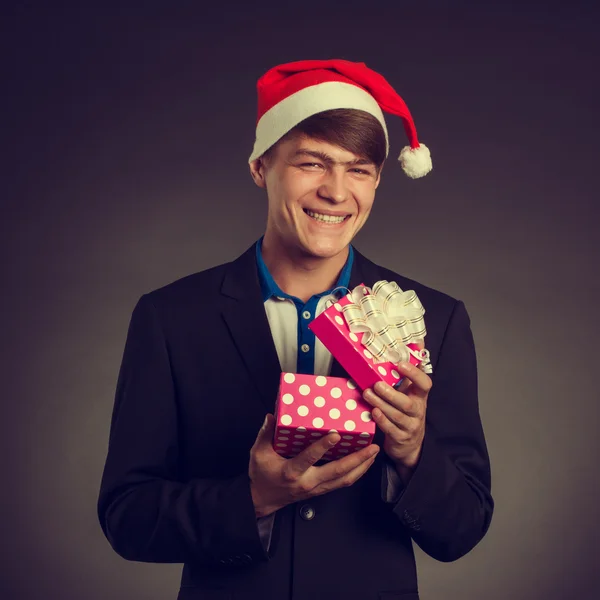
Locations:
199 373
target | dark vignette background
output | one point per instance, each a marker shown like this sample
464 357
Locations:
126 133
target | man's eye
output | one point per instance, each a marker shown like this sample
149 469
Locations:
310 165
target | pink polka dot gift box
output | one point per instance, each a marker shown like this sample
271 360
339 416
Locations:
309 407
370 330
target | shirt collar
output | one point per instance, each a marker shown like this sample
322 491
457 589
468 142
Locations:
269 288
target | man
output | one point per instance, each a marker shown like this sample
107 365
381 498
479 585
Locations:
188 478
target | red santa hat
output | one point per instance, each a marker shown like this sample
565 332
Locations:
292 92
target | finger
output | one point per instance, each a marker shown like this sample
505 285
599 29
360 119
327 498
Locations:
345 480
398 434
312 454
398 418
404 385
382 396
421 382
342 466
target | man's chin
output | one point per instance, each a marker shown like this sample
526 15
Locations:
324 251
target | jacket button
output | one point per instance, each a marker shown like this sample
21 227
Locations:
307 512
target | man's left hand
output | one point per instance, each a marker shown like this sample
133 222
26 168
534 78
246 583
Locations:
400 414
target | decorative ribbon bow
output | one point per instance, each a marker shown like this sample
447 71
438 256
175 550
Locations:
389 318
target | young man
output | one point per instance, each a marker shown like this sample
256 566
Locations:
188 478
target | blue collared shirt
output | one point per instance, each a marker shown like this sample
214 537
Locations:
298 349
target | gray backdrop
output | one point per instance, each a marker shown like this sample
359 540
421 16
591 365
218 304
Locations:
127 132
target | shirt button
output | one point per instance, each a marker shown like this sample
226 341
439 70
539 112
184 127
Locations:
307 512
306 314
305 347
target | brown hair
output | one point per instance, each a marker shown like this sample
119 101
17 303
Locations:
354 130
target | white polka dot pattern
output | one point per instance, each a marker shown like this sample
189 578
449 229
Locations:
310 407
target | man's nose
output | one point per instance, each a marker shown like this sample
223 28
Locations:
334 186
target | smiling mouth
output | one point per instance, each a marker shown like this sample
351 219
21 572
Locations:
326 218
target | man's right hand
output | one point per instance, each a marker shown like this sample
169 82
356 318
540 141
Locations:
277 481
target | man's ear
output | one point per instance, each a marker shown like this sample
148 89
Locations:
257 170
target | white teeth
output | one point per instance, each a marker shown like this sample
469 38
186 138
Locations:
324 218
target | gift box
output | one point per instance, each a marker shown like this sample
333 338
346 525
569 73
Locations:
309 407
370 330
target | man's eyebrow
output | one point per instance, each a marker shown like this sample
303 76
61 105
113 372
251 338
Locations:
329 159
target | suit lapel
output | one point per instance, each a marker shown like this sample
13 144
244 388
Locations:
246 319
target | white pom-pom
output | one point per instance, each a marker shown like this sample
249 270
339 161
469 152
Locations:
416 162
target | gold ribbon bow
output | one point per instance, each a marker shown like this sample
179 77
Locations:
389 318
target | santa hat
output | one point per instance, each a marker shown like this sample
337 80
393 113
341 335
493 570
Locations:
292 92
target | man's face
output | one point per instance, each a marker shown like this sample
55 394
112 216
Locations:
319 196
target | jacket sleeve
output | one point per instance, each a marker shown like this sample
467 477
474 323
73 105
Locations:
146 511
391 483
447 503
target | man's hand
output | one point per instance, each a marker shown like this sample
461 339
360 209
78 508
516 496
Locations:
400 414
277 481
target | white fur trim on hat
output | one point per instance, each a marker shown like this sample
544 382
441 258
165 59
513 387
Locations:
416 162
285 115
